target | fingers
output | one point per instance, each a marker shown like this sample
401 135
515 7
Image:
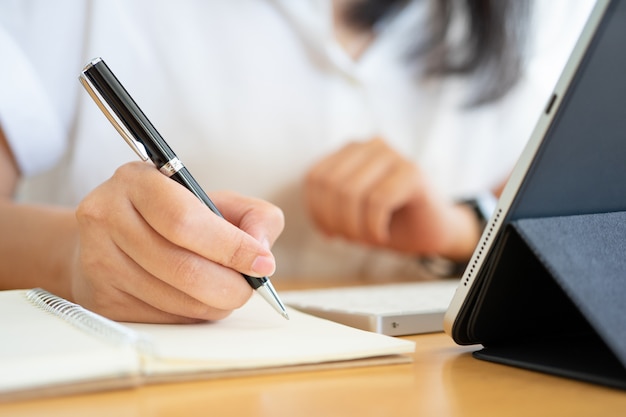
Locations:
258 218
148 299
396 189
139 297
184 220
354 192
368 193
151 251
184 270
335 187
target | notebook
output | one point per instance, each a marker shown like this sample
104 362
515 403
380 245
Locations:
545 287
392 309
51 346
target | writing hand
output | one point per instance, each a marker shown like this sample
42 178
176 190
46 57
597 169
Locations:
151 251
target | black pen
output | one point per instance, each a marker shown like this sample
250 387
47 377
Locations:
128 119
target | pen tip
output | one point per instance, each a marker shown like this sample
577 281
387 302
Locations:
285 315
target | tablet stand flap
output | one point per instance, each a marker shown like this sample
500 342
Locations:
586 256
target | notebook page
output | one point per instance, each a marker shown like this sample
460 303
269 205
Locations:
256 337
39 349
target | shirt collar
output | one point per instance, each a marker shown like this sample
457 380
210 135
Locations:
312 21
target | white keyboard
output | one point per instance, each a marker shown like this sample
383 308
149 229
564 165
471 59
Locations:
429 299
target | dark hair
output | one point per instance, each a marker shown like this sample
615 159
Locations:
491 50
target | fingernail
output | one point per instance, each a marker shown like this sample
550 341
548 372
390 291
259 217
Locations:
263 265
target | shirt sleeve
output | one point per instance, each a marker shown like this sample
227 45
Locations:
36 136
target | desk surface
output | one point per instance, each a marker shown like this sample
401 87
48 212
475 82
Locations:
443 380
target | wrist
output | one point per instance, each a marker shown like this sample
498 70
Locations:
466 229
483 206
469 219
480 208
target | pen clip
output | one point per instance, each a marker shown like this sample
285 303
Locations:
115 121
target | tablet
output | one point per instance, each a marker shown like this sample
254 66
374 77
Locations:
574 164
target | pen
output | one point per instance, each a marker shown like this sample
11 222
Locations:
132 124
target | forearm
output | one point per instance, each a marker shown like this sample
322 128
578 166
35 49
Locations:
37 246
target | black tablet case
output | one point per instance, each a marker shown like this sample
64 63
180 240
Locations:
551 295
561 307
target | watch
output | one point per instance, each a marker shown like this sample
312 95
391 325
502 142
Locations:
483 205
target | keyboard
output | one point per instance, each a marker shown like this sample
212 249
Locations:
392 309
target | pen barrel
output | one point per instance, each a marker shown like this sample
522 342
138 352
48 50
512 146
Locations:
184 178
128 112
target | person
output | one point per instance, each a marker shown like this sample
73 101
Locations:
323 108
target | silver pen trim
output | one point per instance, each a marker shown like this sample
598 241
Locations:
110 114
172 167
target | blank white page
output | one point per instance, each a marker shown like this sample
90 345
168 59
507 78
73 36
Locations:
255 336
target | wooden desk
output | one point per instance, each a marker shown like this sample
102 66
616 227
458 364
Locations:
443 380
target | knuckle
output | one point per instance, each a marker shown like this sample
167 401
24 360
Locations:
89 210
182 224
240 253
376 199
127 172
188 270
320 179
348 194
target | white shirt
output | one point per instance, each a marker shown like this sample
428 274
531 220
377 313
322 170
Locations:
249 94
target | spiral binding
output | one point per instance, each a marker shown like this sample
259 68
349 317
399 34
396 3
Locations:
86 320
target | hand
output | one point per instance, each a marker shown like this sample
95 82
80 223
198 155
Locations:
368 193
150 251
